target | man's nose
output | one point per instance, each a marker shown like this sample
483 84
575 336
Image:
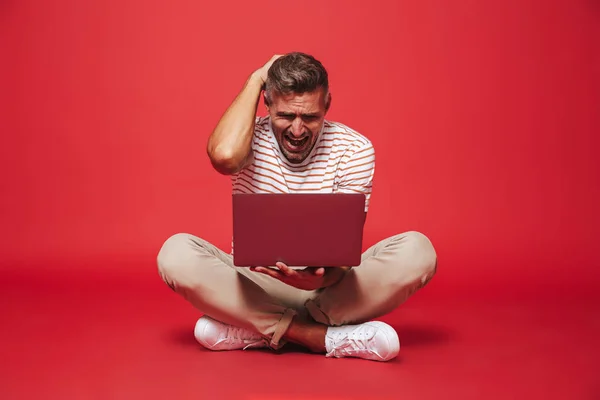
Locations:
297 127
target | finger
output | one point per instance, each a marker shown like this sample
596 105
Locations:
285 269
318 271
270 271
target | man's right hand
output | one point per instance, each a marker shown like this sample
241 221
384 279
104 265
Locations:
230 143
263 71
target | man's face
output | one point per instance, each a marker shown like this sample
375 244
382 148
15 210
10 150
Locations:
297 120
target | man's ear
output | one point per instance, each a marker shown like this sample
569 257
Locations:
328 102
266 100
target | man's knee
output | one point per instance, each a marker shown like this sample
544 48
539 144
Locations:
421 254
173 256
427 256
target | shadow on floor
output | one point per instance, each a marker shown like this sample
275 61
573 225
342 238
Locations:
183 337
422 335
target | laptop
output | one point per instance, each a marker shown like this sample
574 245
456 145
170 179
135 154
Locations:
298 229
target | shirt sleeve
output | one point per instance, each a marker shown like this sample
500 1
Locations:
357 172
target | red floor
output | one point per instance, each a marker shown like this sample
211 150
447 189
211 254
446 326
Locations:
84 335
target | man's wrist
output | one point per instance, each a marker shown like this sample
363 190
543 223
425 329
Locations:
256 79
335 275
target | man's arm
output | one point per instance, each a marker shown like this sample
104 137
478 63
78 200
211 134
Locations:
230 143
357 173
333 275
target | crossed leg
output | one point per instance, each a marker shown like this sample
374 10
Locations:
390 272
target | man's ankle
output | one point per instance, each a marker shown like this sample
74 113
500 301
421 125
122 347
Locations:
308 334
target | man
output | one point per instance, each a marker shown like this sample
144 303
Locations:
292 150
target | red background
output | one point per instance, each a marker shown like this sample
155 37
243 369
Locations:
484 117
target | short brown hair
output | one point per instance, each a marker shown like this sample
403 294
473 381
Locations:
296 73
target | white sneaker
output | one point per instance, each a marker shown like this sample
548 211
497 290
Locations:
215 335
372 341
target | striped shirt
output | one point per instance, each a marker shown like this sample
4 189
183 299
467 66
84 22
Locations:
341 161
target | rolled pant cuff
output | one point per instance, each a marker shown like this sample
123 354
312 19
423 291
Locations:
282 326
316 313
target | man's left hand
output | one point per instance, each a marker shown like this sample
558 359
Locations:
310 278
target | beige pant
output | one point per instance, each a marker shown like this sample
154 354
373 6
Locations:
390 272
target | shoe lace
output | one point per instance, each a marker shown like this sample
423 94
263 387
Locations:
242 335
234 333
348 343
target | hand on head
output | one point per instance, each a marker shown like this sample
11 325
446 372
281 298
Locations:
263 71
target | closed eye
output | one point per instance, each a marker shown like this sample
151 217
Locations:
286 116
306 117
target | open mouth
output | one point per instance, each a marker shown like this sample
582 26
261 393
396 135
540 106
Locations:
296 144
